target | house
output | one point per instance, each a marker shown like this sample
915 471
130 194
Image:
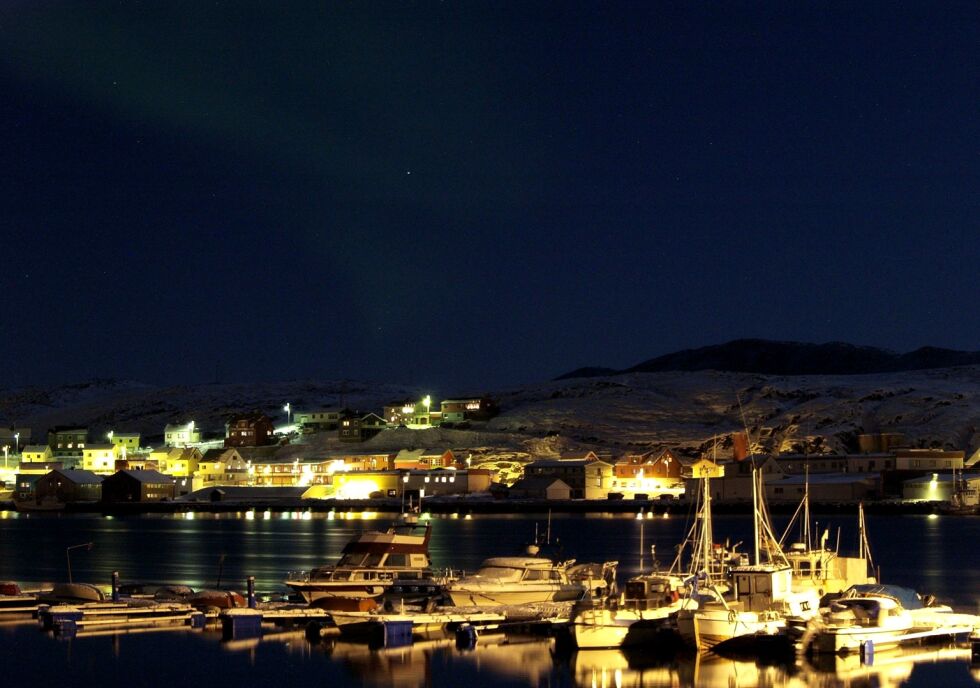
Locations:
127 441
68 486
540 487
357 428
36 453
468 408
823 488
318 420
651 473
221 467
409 484
249 430
412 414
125 487
181 435
100 458
67 441
281 472
423 459
178 462
24 487
585 474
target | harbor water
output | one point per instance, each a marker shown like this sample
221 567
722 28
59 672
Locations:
932 554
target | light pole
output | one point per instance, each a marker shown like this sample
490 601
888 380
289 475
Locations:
86 545
6 449
288 409
16 443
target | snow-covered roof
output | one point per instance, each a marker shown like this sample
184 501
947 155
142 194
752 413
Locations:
79 477
147 476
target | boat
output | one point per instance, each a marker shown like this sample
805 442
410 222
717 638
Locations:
761 597
651 599
369 566
13 600
72 593
503 581
882 617
819 568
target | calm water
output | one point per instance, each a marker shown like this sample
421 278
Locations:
932 554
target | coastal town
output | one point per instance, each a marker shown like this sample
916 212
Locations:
317 456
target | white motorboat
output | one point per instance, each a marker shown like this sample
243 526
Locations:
502 581
370 565
882 617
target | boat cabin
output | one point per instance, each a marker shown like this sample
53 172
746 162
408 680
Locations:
757 587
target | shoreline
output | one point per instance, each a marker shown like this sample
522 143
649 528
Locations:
474 507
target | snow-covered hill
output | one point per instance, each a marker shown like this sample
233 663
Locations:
685 410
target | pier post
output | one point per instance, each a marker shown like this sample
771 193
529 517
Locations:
115 586
250 585
867 652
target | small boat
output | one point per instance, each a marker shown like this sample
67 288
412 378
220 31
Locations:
14 600
502 581
882 617
369 566
72 593
215 599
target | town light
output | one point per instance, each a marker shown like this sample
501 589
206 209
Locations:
6 448
16 443
288 409
109 435
427 402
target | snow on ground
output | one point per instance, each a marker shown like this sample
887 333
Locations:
684 410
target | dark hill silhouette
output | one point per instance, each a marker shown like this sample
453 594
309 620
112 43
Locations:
793 358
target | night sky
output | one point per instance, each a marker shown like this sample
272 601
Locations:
468 195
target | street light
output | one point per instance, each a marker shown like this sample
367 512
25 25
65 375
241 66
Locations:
109 435
287 408
6 448
86 545
17 443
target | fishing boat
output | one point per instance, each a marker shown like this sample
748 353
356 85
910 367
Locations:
762 595
651 599
369 566
817 567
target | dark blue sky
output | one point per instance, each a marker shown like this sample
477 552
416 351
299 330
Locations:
469 195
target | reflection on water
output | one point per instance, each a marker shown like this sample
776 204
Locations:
911 550
288 658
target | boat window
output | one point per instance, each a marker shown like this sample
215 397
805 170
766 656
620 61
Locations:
763 584
804 568
373 560
536 574
742 585
500 572
397 560
341 575
352 559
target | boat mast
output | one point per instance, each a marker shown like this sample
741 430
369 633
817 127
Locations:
806 509
755 516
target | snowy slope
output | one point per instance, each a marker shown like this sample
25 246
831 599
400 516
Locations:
685 410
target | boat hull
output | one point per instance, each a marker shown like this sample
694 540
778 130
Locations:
487 595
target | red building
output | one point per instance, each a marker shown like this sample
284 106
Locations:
249 430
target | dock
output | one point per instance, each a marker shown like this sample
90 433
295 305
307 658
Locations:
70 620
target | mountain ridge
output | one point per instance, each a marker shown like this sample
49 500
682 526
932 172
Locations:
772 357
